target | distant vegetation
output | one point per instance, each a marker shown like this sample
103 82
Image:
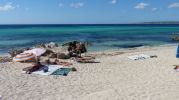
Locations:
161 22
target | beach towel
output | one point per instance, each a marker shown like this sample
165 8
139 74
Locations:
51 69
139 57
62 71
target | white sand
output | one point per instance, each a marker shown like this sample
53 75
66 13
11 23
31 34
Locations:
114 78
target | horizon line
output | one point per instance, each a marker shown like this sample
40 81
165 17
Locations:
65 23
102 24
147 22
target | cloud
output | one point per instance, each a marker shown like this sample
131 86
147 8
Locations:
8 6
60 4
114 1
77 5
154 9
141 5
174 5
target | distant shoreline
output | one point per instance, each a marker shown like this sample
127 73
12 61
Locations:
134 23
91 25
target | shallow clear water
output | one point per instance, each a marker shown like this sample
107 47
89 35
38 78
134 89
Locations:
102 36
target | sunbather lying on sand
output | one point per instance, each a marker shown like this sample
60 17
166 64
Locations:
57 62
84 59
63 63
35 67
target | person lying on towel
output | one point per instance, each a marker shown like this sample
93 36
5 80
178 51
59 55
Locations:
35 67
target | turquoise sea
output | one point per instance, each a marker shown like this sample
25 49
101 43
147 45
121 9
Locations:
101 36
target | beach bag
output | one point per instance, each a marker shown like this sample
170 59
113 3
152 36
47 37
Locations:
45 69
177 52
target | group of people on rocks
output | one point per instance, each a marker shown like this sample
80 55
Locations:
75 48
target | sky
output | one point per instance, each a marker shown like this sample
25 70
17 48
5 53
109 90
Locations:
87 11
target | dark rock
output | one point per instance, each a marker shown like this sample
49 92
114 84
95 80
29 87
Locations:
62 56
48 52
53 55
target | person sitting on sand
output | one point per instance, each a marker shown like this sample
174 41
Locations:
81 48
35 67
72 49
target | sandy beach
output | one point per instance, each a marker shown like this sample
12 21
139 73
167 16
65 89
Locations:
115 77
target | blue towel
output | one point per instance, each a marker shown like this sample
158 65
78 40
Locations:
177 52
62 71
